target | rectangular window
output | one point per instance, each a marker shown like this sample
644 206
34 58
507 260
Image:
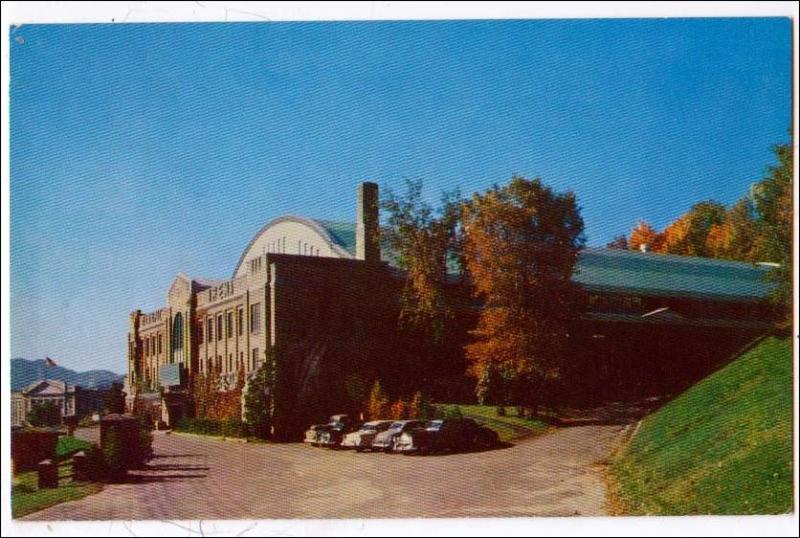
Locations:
240 320
219 327
255 318
229 324
255 358
210 331
160 343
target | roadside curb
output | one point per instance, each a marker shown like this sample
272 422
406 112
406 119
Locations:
242 440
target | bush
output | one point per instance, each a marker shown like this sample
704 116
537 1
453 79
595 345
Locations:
378 405
67 446
143 451
421 407
234 428
96 468
501 411
398 410
114 457
207 426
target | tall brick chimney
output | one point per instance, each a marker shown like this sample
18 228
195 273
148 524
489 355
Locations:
368 246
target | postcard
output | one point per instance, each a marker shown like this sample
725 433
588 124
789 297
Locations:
401 269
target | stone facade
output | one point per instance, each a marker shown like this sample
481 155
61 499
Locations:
228 326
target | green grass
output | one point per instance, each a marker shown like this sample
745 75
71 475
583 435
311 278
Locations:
26 497
68 446
722 447
509 428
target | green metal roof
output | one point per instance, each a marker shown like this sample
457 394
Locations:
626 271
642 273
342 233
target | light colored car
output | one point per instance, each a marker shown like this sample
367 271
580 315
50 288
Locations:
362 439
386 440
313 434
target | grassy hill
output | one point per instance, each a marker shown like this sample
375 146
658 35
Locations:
509 428
723 447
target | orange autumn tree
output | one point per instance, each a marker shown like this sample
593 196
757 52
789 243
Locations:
521 243
688 234
643 234
735 238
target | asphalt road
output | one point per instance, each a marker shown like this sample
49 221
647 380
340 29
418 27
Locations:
194 477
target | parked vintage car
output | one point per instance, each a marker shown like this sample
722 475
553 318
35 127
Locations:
362 439
313 432
447 434
386 440
338 427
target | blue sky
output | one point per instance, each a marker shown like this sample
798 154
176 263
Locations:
140 151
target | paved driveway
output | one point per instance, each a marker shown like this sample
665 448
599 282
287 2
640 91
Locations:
203 478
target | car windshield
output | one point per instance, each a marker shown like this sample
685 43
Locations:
369 428
396 426
434 424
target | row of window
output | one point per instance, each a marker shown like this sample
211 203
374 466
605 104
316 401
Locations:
226 326
216 364
279 246
152 345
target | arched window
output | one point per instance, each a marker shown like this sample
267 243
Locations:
177 332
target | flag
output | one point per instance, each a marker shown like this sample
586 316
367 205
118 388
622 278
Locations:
49 362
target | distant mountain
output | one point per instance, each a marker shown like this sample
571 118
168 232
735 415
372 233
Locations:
24 372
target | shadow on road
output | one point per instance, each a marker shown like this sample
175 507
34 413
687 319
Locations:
500 446
143 479
176 467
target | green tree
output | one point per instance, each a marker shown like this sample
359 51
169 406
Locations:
773 206
425 240
521 245
44 414
259 400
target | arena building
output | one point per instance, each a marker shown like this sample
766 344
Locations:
318 298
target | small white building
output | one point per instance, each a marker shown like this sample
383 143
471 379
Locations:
71 400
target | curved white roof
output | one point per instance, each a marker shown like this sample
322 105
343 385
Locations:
294 235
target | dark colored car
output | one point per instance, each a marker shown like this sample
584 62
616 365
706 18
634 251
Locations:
338 427
386 440
447 434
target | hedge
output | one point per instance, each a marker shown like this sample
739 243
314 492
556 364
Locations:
207 426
